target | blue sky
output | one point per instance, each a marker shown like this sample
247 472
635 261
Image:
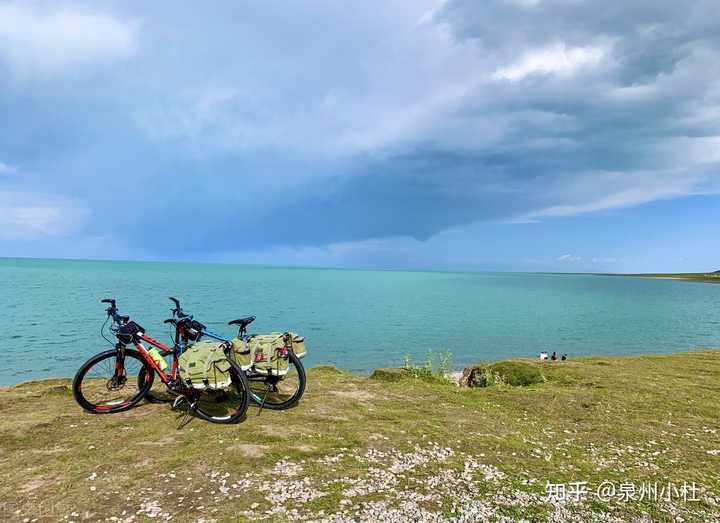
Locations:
498 135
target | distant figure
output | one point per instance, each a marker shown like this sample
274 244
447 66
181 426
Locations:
543 356
564 357
554 356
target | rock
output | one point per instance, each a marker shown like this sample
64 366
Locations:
470 376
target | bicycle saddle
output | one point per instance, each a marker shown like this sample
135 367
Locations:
242 322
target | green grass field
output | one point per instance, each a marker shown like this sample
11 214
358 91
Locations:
393 448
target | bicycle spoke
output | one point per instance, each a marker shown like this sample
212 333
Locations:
279 390
102 386
219 404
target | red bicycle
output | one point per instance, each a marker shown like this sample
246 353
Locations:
117 379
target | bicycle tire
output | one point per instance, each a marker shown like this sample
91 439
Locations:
241 388
111 407
267 400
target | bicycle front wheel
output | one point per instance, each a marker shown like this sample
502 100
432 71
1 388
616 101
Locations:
227 405
108 382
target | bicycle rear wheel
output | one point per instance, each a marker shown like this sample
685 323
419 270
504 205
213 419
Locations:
227 405
108 383
278 393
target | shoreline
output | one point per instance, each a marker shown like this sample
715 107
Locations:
454 372
700 277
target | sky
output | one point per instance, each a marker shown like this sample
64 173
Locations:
522 135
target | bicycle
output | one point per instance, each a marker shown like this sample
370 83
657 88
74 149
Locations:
267 390
115 380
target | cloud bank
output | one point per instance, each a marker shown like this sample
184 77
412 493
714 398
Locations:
299 126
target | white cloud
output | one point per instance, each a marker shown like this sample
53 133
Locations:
46 43
554 59
7 168
568 258
26 216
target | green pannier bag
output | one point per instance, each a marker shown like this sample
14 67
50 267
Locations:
243 353
296 343
267 353
205 366
262 354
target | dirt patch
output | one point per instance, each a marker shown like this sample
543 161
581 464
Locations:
327 413
38 483
304 448
141 410
355 394
165 440
52 450
249 450
274 431
145 463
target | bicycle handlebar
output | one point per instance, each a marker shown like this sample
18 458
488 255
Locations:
177 311
113 313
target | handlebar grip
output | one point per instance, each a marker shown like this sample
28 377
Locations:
169 321
108 300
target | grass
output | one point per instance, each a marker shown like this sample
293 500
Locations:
435 368
514 373
704 277
377 449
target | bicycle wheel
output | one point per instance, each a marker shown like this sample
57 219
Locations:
227 405
279 392
104 384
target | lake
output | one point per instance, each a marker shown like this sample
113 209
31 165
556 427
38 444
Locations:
356 319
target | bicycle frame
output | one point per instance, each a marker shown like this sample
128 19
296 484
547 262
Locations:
166 350
214 336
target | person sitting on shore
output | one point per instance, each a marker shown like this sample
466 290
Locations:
554 356
543 356
564 357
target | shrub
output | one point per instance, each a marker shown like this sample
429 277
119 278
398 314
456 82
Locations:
389 374
428 371
515 373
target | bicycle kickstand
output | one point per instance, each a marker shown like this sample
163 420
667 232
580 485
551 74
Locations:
187 416
262 403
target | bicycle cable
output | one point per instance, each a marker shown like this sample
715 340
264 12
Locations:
102 330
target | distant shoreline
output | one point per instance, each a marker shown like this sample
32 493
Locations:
701 277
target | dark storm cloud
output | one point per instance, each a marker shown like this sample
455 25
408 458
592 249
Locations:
302 125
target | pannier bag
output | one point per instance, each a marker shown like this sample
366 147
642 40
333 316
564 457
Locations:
129 331
205 366
267 353
193 330
295 343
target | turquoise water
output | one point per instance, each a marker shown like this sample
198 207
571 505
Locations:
355 319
